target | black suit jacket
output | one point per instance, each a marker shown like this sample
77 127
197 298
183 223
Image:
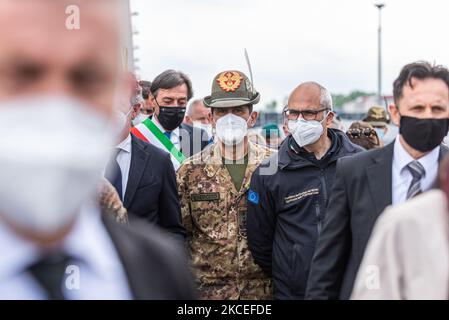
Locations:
192 140
361 192
151 191
155 265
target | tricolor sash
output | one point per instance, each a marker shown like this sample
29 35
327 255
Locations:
149 132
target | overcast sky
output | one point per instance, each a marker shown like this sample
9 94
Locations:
289 41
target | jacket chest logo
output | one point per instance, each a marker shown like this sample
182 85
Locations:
301 195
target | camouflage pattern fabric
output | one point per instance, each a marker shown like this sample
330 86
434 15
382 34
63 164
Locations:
214 215
109 202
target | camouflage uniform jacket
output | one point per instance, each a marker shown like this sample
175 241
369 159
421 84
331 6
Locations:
214 215
109 202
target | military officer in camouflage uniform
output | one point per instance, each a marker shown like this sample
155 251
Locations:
213 186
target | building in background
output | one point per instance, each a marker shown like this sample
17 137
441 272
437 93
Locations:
127 36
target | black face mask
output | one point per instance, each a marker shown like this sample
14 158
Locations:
171 117
423 134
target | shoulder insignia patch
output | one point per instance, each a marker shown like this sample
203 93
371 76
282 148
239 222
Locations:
253 197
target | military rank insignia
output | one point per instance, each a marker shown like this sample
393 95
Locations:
230 81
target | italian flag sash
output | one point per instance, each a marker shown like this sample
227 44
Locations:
149 132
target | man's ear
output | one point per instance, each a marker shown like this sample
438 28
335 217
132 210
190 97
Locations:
135 112
253 118
330 118
188 120
211 119
394 113
154 104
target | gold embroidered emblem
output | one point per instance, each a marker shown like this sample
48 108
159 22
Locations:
230 81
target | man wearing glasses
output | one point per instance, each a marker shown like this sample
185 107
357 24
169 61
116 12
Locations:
286 209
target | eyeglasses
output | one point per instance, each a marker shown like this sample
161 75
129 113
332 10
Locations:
306 114
359 133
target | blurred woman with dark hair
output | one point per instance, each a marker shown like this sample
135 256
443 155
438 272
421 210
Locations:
408 254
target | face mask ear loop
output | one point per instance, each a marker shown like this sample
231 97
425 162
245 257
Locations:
325 117
155 100
249 118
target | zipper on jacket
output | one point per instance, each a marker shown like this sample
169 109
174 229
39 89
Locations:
318 218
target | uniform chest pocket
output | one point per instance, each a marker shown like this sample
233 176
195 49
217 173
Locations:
210 215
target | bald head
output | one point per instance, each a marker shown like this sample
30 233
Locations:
40 55
197 111
310 94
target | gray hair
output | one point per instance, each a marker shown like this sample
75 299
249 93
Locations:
325 98
192 105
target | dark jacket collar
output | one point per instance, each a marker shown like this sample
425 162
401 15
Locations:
296 158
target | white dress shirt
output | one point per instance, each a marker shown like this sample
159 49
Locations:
100 271
401 176
124 162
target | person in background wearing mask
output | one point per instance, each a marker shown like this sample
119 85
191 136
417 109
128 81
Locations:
170 93
213 187
272 135
143 174
286 210
378 118
255 137
363 134
407 256
367 183
147 109
138 103
198 116
50 225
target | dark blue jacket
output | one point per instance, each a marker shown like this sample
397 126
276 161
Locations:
286 210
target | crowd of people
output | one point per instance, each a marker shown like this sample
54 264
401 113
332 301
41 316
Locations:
115 188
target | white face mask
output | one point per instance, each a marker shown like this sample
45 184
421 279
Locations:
205 127
120 121
306 132
53 151
231 129
140 118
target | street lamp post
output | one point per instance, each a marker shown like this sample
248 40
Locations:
379 6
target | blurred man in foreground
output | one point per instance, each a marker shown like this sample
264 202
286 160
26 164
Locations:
57 96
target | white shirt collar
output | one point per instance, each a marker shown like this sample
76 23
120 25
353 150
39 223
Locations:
88 242
402 158
174 133
17 253
125 145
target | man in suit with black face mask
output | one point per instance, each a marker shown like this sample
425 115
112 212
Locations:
170 93
143 174
366 183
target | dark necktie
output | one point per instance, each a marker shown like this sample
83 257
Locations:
49 272
114 174
417 171
167 134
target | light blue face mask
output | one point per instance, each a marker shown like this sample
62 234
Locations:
380 133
